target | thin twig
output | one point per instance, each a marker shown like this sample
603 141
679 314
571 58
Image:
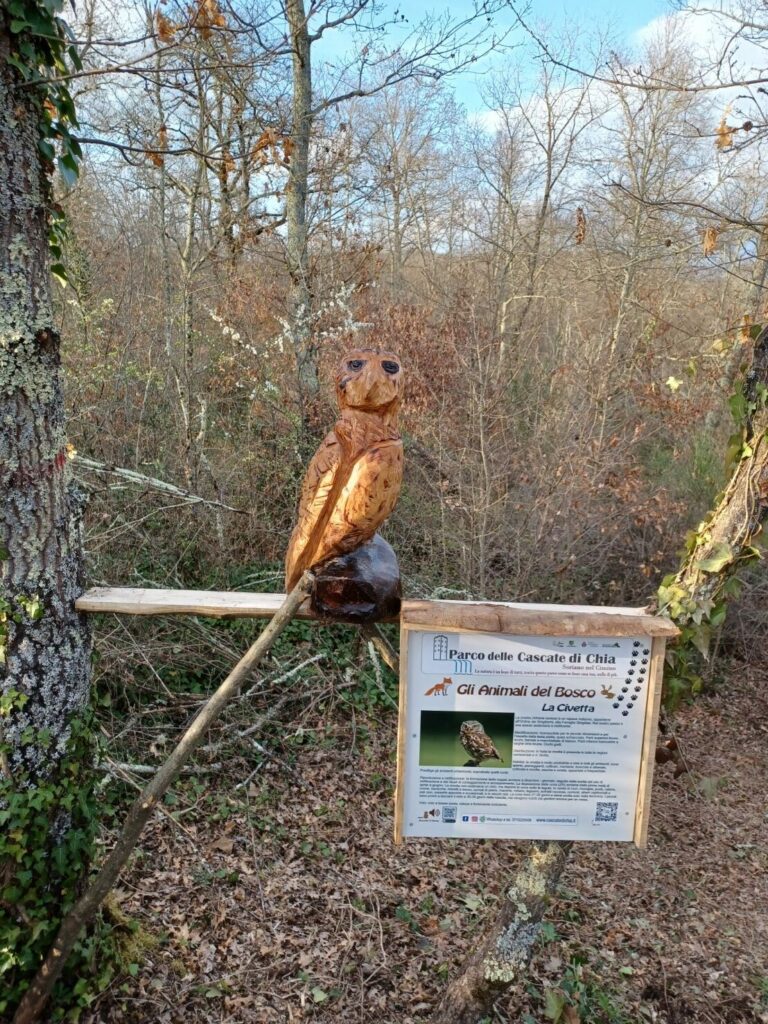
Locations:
151 482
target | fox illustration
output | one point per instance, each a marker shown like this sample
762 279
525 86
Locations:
439 688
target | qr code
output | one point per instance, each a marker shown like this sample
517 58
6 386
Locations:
606 810
449 815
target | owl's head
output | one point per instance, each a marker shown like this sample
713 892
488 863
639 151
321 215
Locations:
370 381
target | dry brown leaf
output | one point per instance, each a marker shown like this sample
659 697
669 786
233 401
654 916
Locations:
165 28
724 137
709 240
745 329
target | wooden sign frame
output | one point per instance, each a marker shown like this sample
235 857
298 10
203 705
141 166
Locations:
531 620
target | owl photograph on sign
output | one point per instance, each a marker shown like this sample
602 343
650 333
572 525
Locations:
465 739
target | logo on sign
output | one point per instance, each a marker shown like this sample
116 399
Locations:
440 647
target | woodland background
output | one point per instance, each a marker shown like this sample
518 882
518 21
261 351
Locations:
571 276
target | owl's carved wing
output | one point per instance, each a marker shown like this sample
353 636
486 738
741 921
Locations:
360 503
318 483
368 497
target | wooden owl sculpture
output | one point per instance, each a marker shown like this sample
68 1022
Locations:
351 486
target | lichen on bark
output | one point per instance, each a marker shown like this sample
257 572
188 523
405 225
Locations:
507 946
46 645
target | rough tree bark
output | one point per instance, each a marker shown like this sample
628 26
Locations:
734 524
756 310
46 647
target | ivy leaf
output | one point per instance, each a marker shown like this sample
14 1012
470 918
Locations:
717 618
719 557
74 56
68 170
701 638
738 405
20 66
59 271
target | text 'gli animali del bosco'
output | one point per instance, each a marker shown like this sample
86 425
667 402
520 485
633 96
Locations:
487 690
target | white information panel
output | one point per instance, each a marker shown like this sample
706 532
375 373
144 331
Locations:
529 737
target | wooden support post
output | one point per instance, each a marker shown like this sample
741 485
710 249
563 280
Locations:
383 646
34 1001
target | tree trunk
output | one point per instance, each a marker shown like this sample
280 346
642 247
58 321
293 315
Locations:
724 541
756 310
44 643
46 647
507 947
300 295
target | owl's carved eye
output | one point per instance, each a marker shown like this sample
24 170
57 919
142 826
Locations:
390 366
356 364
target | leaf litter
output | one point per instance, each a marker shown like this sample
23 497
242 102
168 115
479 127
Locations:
285 900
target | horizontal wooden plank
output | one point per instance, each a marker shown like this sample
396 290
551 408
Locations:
527 619
535 620
219 604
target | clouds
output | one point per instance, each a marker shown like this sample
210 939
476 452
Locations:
696 29
729 45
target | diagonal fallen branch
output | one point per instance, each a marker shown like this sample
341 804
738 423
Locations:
152 482
37 995
505 950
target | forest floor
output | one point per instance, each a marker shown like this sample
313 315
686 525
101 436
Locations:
285 899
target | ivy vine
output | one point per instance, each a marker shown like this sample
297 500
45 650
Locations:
48 826
44 53
47 832
699 612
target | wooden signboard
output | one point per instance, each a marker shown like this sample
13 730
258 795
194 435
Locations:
527 721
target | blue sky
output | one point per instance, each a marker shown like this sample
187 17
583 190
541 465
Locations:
622 19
